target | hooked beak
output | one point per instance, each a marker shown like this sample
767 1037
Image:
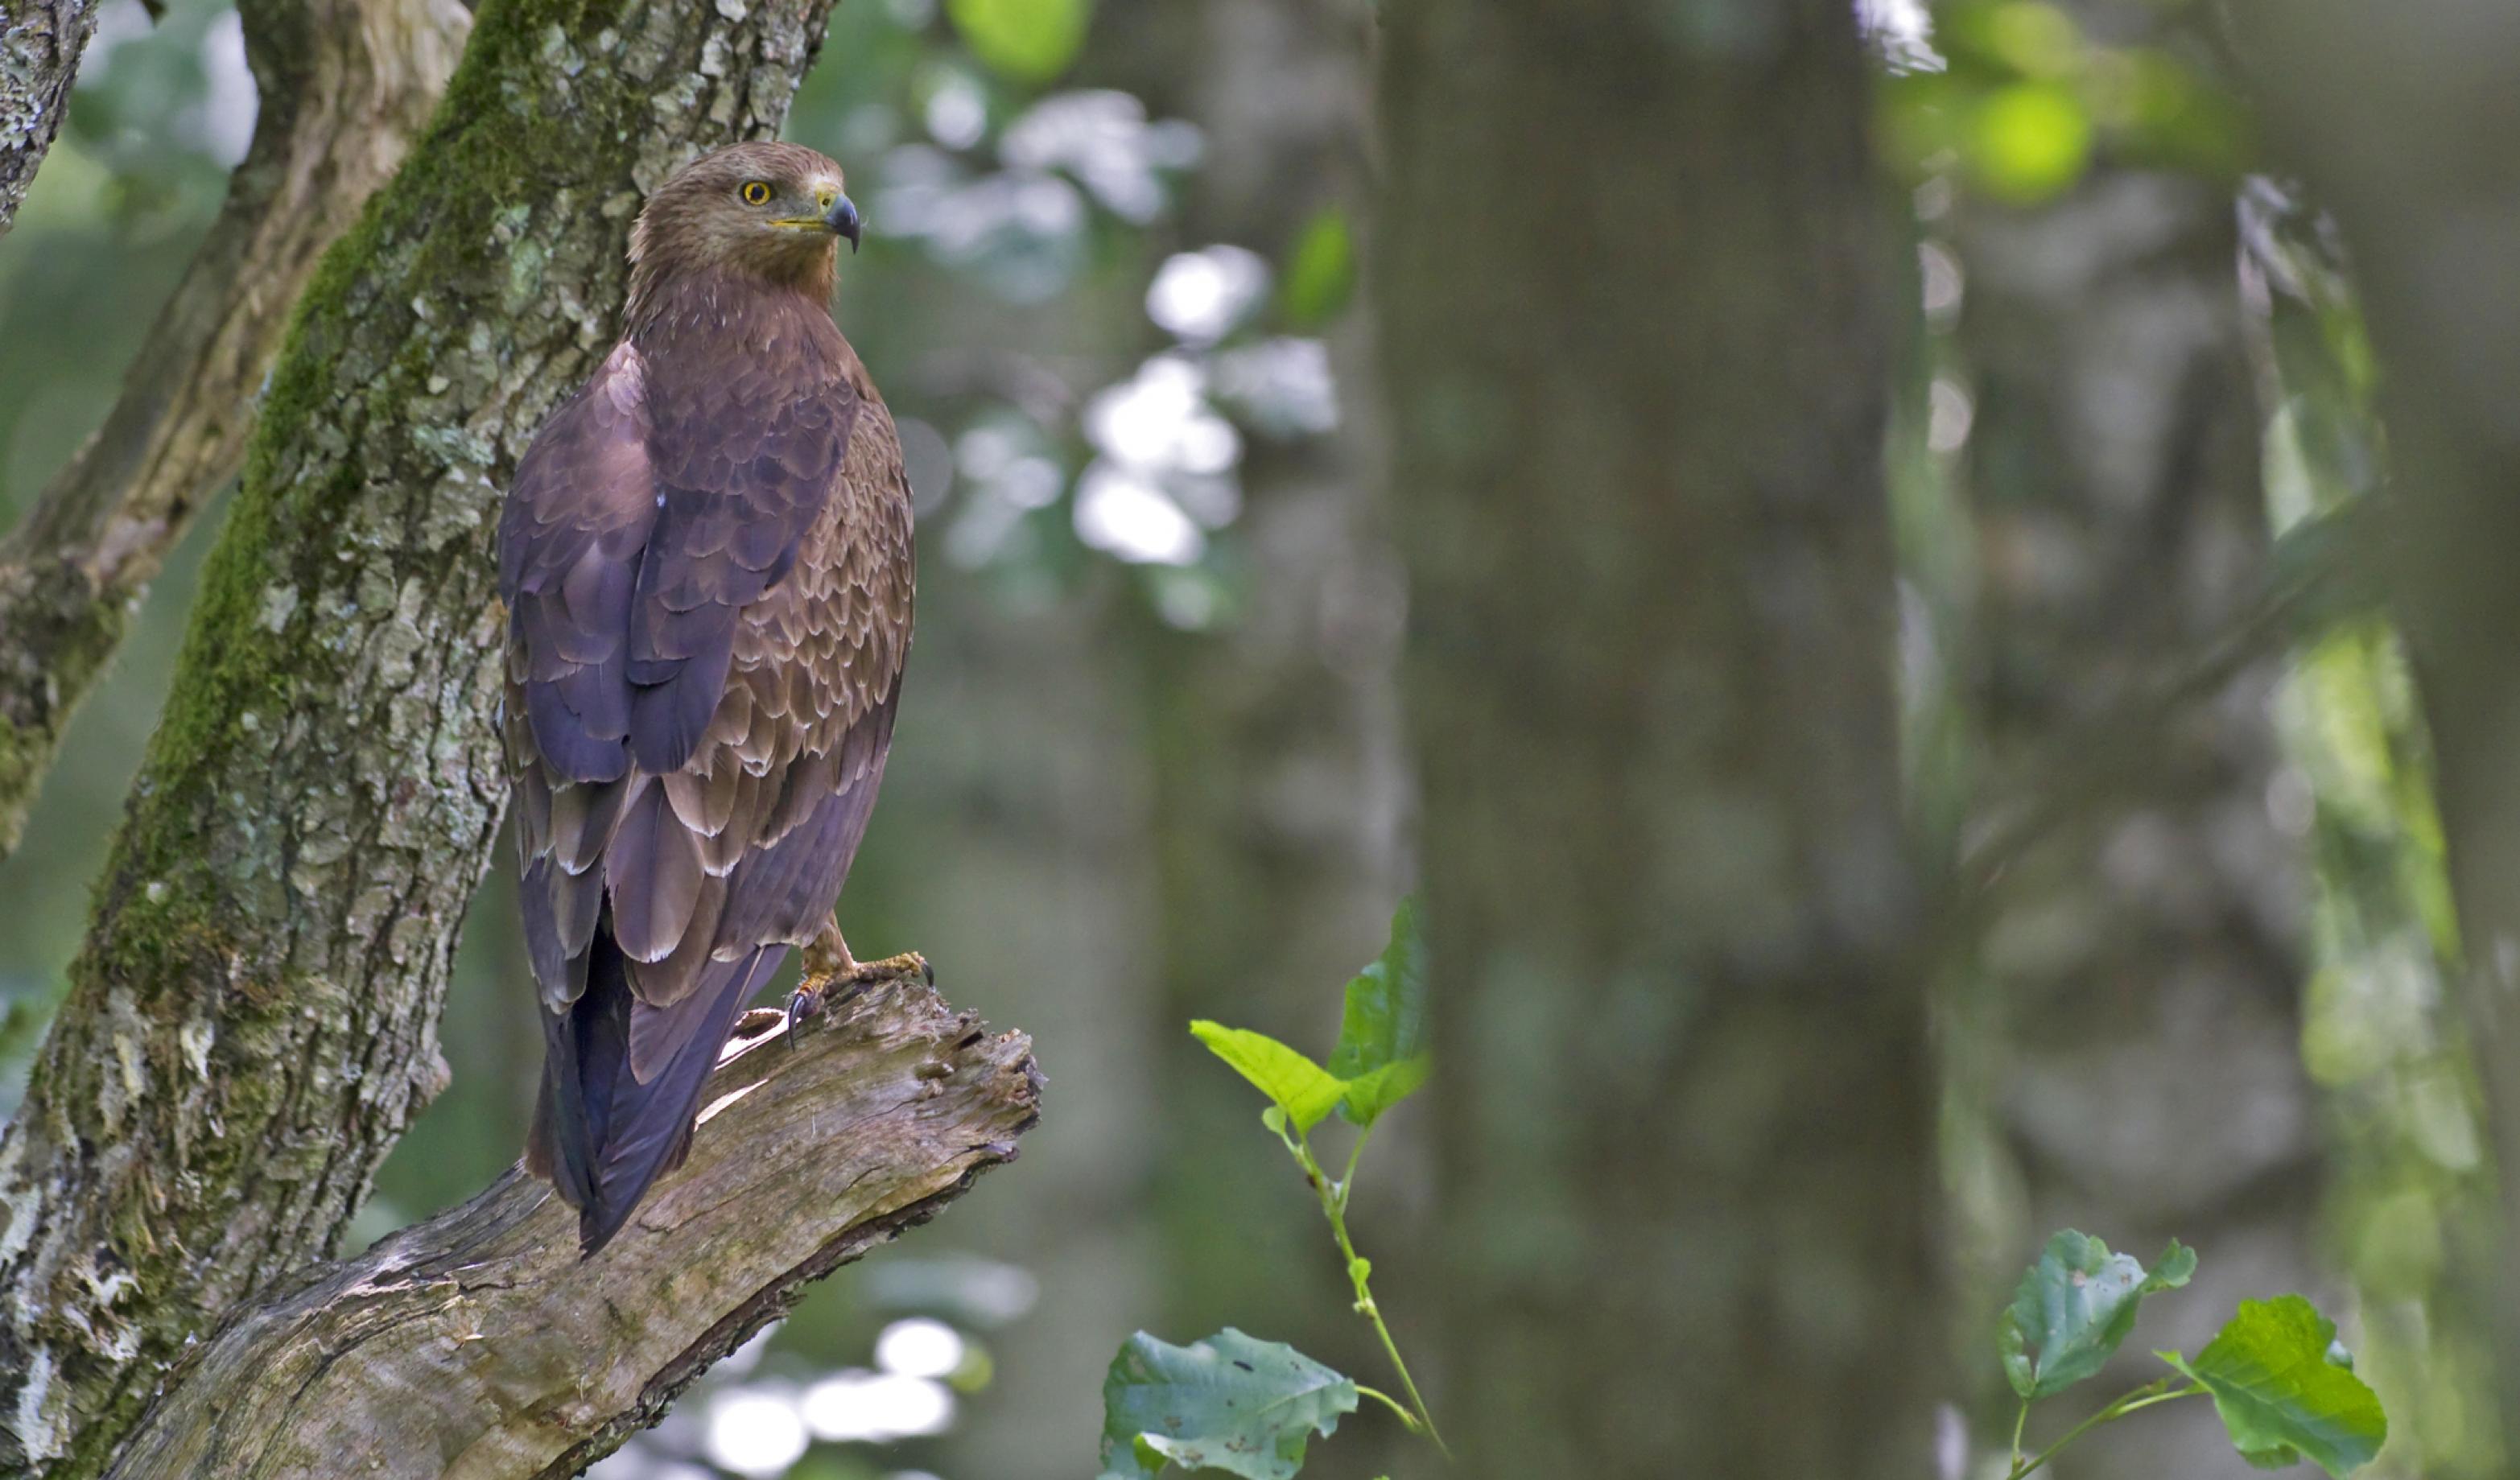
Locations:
842 219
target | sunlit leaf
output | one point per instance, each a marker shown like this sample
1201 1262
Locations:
2029 141
2284 1395
1320 272
1028 40
2075 1307
1301 1087
1229 1403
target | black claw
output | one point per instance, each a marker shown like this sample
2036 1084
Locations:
801 1004
927 969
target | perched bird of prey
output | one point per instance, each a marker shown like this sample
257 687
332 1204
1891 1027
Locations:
706 560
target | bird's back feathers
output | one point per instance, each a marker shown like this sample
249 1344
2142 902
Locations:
706 559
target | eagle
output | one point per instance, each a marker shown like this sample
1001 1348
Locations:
707 562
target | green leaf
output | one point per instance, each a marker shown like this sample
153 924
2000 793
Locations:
1229 1403
2282 1394
2075 1307
1303 1089
1028 40
1320 271
1372 1093
1386 1021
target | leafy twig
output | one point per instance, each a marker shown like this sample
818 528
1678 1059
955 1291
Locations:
1360 1269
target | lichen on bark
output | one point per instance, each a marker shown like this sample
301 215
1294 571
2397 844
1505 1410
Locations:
251 1020
41 44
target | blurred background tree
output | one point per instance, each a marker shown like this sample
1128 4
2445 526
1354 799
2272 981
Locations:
2139 946
1685 1136
2163 769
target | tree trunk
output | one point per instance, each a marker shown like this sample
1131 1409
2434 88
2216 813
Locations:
252 1021
2141 955
342 86
41 42
2402 119
1633 283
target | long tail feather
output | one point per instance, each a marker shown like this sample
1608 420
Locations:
601 1134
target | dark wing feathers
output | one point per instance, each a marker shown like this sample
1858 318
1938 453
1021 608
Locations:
651 1117
778 889
582 504
652 873
741 489
708 583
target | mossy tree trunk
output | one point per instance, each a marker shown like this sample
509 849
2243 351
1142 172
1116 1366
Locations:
2400 118
252 1018
1633 283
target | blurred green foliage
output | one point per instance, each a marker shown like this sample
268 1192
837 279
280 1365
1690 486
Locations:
1029 40
2382 1038
1320 272
2007 105
2020 100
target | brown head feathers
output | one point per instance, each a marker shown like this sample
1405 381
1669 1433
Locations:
771 212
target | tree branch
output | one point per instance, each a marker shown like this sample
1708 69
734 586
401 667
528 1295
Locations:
41 42
343 86
252 1020
478 1344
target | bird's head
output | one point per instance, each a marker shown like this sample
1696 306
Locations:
777 211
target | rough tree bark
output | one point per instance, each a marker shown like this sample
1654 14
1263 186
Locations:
2144 952
40 43
2401 117
478 1344
1635 315
342 85
252 1021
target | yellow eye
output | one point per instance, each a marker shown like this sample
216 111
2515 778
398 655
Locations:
756 191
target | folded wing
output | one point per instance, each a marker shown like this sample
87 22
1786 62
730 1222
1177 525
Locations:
709 590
